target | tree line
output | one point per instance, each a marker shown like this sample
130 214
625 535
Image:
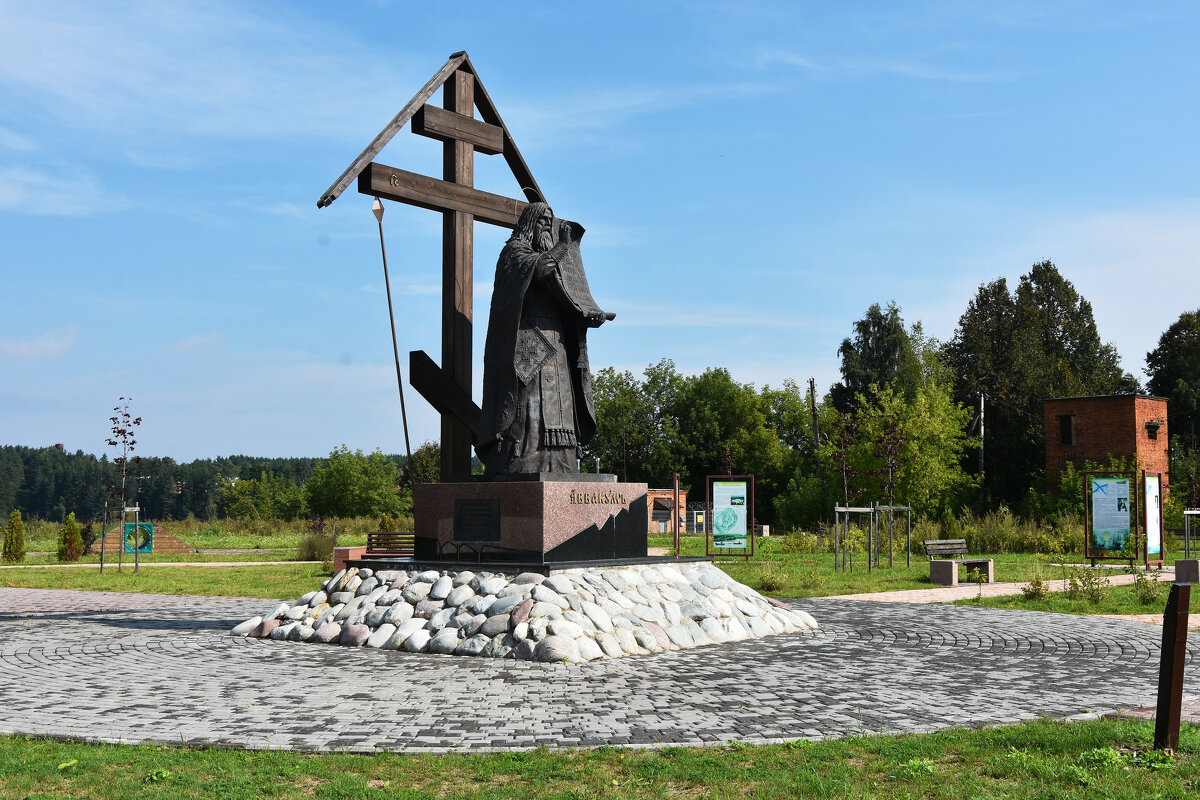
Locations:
902 424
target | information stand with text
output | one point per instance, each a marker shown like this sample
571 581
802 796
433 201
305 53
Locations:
729 528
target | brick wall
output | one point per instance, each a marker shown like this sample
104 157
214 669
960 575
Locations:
1114 424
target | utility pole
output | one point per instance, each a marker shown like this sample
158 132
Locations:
816 428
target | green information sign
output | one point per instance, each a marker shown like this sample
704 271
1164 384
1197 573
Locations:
729 514
1111 513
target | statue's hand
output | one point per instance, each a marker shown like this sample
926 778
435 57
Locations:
564 231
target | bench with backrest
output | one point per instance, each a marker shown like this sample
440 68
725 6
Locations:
945 572
385 544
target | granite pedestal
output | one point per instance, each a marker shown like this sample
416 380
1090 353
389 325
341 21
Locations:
543 519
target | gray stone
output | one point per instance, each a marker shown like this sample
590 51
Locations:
444 641
626 639
542 609
695 631
537 628
588 649
441 588
463 578
556 648
441 619
415 592
317 599
711 581
389 597
281 632
694 611
365 572
589 628
524 650
491 586
807 619
458 595
544 594
559 583
651 575
499 646
574 601
610 644
495 625
352 583
670 593
375 616
243 628
514 589
403 631
503 605
713 630
418 642
301 633
680 636
367 586
354 635
671 574
340 598
529 577
758 627
671 611
474 624
660 635
614 579
330 585
380 636
646 639
473 646
398 613
429 576
328 633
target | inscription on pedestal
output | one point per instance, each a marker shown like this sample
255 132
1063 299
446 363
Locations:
477 520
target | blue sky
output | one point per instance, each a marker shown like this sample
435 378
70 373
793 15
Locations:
752 177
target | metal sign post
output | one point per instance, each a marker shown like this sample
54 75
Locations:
1187 530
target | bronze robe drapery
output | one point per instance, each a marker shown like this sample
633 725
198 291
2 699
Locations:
537 390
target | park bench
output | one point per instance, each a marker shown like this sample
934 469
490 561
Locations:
384 544
945 572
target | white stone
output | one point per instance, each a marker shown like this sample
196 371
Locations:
556 648
415 592
399 612
680 636
463 578
651 575
627 641
671 611
514 590
429 576
379 637
806 618
352 584
630 577
441 588
520 631
441 619
598 616
537 628
473 646
418 642
671 574
646 640
278 611
282 631
492 585
559 583
296 612
459 595
544 594
243 628
444 641
609 644
712 628
564 627
543 610
388 597
588 649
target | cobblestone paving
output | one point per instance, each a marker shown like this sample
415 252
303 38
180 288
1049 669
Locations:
169 672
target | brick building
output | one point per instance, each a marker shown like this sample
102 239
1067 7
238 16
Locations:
660 501
1092 428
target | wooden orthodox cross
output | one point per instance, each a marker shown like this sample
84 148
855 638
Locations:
448 387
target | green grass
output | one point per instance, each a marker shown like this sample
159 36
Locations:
1117 600
285 554
1100 760
283 581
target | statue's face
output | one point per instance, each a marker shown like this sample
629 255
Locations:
542 240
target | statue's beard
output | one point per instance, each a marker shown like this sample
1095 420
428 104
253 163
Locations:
543 242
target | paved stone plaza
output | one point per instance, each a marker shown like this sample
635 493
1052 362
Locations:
150 668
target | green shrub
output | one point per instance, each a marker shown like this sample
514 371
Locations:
319 543
70 545
772 578
1147 591
1036 590
801 542
87 536
14 538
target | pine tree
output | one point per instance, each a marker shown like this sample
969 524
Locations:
70 545
14 538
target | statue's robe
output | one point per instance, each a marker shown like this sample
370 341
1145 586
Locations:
537 390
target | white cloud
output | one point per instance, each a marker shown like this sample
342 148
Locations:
50 344
194 343
144 68
854 68
14 141
71 192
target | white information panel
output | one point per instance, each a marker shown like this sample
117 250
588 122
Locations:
729 514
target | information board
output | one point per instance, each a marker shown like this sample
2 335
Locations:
729 514
1153 502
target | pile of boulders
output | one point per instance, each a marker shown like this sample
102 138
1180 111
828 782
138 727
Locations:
571 615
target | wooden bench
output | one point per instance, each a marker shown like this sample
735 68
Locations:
383 544
945 573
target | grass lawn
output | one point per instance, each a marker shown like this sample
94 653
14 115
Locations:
286 554
1093 760
1117 600
283 581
